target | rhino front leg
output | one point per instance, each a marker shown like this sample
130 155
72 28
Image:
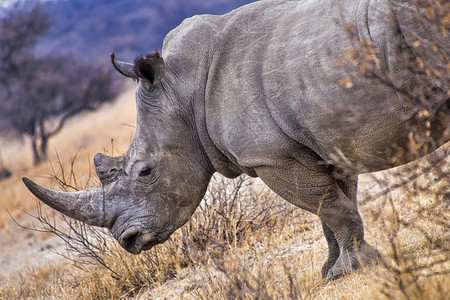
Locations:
306 183
345 222
353 258
354 250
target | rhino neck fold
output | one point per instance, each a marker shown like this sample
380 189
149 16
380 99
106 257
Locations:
218 161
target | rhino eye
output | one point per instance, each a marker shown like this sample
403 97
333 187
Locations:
145 172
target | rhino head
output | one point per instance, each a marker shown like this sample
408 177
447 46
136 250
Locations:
156 185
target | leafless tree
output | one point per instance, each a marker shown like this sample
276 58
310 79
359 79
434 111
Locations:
39 94
21 26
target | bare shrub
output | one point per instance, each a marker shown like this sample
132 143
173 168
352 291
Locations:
229 213
412 202
415 65
411 210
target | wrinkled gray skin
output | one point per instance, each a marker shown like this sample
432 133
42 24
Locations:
253 91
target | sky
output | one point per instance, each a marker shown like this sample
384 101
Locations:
6 3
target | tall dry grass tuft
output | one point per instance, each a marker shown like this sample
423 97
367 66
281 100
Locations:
43 283
259 274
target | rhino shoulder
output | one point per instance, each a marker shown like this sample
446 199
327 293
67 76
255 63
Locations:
206 29
191 29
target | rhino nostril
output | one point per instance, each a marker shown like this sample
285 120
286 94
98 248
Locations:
130 237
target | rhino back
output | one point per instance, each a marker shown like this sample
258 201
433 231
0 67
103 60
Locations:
268 74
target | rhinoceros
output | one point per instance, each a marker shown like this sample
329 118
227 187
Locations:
255 91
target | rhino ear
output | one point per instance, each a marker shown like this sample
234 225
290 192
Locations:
124 68
151 67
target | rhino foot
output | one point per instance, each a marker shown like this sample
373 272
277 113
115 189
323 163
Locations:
327 267
353 260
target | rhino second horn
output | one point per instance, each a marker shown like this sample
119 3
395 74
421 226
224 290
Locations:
124 68
86 206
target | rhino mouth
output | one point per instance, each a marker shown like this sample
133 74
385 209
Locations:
135 241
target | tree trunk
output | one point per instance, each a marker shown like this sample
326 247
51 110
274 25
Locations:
44 146
37 158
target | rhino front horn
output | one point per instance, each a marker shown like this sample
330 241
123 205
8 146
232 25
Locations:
86 206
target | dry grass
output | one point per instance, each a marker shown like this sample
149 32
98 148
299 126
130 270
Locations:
243 242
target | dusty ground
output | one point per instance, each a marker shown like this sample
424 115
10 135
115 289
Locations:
25 249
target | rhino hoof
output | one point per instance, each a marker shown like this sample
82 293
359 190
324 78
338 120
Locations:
327 267
353 260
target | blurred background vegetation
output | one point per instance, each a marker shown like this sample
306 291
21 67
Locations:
54 60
